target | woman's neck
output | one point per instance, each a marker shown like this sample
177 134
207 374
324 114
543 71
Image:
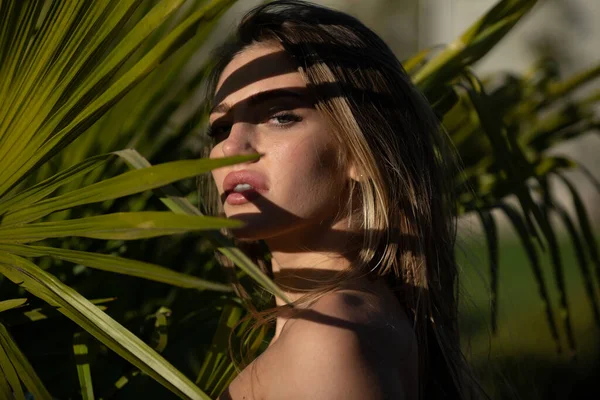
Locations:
304 271
307 259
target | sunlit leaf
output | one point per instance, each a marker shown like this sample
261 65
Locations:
102 18
128 183
160 333
81 353
12 303
412 64
41 313
120 226
472 45
217 359
45 144
41 190
111 263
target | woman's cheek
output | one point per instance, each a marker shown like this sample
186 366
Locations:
312 191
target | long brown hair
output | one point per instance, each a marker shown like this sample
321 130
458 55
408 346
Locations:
387 129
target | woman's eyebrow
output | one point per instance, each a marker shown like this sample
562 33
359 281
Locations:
262 97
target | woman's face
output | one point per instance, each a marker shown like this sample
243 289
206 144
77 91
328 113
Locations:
262 106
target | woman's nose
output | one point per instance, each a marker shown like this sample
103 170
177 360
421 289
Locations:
240 140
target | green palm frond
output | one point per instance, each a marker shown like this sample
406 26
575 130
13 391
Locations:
502 132
97 323
11 355
12 303
81 353
64 65
470 47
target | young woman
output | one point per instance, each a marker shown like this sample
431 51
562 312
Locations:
351 196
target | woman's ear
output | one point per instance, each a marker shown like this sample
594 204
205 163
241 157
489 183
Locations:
354 174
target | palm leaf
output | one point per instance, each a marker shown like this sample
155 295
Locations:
491 232
510 160
23 368
42 313
472 45
34 142
125 184
588 279
27 136
12 378
216 359
559 280
218 369
48 186
80 351
521 229
106 262
12 303
5 391
584 224
118 226
97 323
155 106
159 342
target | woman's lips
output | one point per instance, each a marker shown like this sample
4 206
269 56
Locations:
256 180
236 199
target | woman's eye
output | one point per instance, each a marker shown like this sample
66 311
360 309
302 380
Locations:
285 119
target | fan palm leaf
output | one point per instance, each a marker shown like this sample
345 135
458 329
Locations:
65 64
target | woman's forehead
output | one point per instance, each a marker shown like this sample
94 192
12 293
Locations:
257 69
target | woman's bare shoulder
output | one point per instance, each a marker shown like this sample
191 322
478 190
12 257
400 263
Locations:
376 324
341 347
355 311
